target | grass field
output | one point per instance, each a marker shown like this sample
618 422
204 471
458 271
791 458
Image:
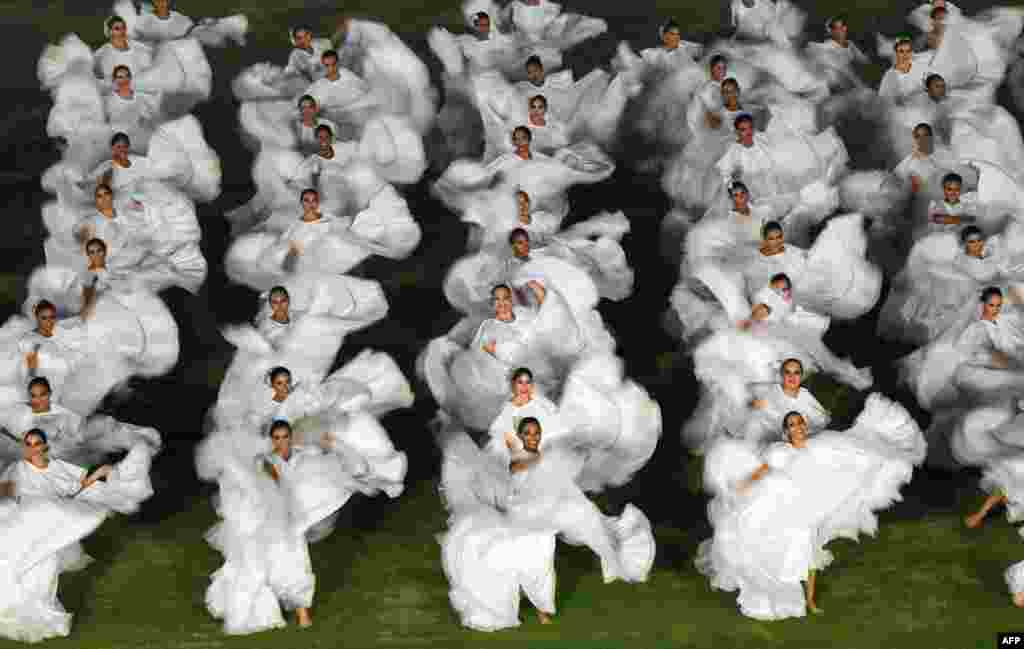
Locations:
925 581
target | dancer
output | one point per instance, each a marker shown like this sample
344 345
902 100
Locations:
773 514
516 510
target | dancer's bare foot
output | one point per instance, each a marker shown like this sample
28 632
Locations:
813 608
544 617
303 617
1018 600
975 520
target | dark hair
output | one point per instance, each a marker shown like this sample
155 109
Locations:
785 421
952 178
96 241
732 82
304 98
792 360
716 59
520 371
836 19
738 186
526 421
969 231
523 129
278 371
278 290
301 28
926 126
670 25
781 277
520 192
932 77
324 127
987 294
105 186
278 424
936 11
329 54
480 14
120 138
518 233
113 20
497 286
40 380
38 432
745 117
900 40
121 67
534 60
771 226
308 190
44 305
540 97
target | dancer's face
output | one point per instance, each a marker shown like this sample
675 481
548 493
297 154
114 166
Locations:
904 54
670 38
937 89
303 39
503 303
521 141
46 321
538 111
745 133
330 64
796 430
521 247
718 72
161 7
104 199
531 438
39 398
118 34
35 447
97 256
310 202
774 242
279 304
951 192
281 441
924 141
730 96
309 110
323 137
975 246
839 31
792 376
119 151
483 25
282 386
535 74
123 80
522 387
740 200
523 201
991 308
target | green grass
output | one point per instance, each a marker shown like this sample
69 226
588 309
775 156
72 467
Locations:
925 581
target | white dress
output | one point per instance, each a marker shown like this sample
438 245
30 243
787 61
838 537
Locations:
43 525
130 333
502 528
939 279
770 535
777 21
